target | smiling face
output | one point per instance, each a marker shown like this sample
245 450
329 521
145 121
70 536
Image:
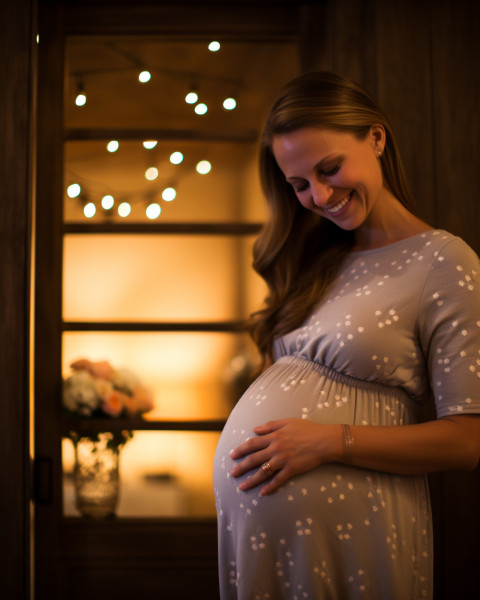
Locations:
336 175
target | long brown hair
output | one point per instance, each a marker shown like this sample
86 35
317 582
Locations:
297 252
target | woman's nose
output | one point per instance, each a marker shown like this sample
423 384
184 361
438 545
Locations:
321 193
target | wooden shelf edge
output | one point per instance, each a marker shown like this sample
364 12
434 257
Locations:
95 425
212 326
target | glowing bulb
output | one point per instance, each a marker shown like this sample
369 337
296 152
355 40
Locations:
201 108
124 209
80 100
214 46
151 173
149 144
153 210
113 146
229 103
191 98
73 190
169 194
38 38
89 210
176 158
108 202
144 76
203 167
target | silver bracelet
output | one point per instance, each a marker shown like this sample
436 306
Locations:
348 442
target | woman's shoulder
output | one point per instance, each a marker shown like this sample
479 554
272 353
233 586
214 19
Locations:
451 247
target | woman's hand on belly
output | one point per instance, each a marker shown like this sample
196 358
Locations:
286 448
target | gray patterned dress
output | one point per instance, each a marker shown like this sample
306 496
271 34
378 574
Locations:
399 321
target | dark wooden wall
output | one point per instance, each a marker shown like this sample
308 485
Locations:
16 173
420 60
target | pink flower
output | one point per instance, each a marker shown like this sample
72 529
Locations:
115 403
100 369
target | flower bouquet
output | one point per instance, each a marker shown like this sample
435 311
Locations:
96 389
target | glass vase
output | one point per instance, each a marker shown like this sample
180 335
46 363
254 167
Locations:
96 476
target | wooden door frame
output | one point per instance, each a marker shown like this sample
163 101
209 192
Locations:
17 116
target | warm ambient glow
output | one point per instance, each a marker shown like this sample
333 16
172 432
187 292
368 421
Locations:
113 146
203 167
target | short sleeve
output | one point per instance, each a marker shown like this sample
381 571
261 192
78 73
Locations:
449 329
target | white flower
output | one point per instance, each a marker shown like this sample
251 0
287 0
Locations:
79 393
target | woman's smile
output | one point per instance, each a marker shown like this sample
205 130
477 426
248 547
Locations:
339 208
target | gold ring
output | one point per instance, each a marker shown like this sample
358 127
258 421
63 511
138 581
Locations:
267 469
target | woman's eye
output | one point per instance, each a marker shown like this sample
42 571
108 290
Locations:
301 188
332 171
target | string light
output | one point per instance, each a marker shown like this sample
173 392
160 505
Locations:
113 146
201 108
149 144
176 158
73 190
191 98
214 46
89 210
124 209
203 167
81 99
144 76
151 173
107 202
169 194
153 210
229 103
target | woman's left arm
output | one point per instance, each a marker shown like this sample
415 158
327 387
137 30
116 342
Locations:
294 446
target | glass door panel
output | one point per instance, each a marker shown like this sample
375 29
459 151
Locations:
106 70
122 181
162 474
196 375
147 278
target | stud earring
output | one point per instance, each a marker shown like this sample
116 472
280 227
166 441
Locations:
379 153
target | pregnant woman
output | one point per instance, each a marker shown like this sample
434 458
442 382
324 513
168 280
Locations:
320 472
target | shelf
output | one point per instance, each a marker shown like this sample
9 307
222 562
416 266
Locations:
85 426
139 134
212 326
164 228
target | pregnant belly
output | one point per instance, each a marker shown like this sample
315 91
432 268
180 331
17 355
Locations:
331 509
297 388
